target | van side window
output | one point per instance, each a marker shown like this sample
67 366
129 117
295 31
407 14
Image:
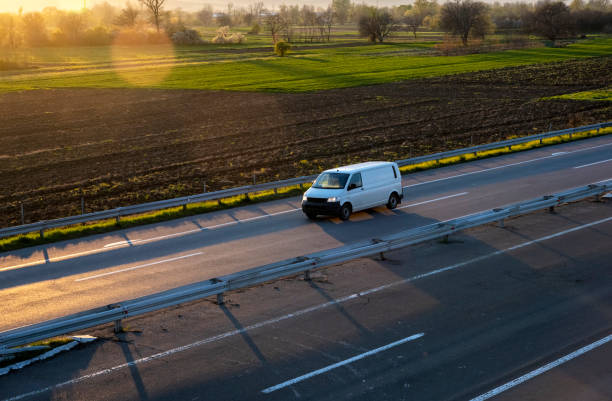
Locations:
355 179
394 172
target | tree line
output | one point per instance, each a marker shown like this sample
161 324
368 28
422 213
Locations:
148 21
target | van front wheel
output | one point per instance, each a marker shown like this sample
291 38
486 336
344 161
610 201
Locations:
345 212
392 203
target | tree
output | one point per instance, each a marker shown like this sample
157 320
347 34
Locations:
376 25
465 18
8 31
551 20
155 8
34 29
205 15
275 24
421 9
71 27
341 8
127 17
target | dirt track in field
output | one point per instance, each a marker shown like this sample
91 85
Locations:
124 146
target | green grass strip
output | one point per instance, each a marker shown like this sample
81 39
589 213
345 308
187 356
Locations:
104 226
597 95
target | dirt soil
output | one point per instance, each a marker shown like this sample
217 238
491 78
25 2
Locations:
118 147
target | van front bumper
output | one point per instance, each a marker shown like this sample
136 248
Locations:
326 208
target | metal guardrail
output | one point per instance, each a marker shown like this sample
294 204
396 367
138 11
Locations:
183 201
303 264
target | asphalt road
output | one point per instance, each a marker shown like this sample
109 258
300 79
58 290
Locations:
436 321
45 282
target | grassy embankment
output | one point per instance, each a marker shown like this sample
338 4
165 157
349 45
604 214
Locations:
98 227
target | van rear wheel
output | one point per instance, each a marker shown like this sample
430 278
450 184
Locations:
345 212
392 203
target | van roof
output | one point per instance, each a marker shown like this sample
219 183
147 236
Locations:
355 167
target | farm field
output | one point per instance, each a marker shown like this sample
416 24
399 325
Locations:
120 146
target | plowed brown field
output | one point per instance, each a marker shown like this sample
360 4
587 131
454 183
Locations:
126 146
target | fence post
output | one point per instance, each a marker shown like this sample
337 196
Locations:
82 205
253 178
204 187
22 214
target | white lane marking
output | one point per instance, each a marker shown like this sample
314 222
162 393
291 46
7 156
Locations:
125 243
504 166
296 314
543 369
341 363
558 153
592 164
139 266
229 223
433 200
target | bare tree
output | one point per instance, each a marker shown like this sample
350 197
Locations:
551 20
376 25
421 9
465 18
205 15
127 17
155 7
275 24
34 29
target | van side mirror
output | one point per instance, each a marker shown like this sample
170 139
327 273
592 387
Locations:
352 186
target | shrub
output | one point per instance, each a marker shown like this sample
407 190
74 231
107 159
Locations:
225 36
187 37
281 48
255 30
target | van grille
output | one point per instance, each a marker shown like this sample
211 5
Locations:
317 200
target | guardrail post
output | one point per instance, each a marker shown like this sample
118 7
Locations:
42 233
184 207
118 326
220 300
509 147
501 223
302 186
551 209
307 275
117 219
275 191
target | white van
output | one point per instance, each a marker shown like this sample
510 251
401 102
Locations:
343 190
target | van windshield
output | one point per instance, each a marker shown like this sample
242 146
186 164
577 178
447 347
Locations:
331 181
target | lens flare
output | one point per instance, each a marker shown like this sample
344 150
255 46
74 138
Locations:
143 59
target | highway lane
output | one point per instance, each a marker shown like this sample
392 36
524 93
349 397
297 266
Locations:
435 321
163 256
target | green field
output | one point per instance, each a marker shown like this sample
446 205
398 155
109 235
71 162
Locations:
594 95
211 67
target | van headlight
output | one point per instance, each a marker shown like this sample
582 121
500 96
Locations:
333 199
304 198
